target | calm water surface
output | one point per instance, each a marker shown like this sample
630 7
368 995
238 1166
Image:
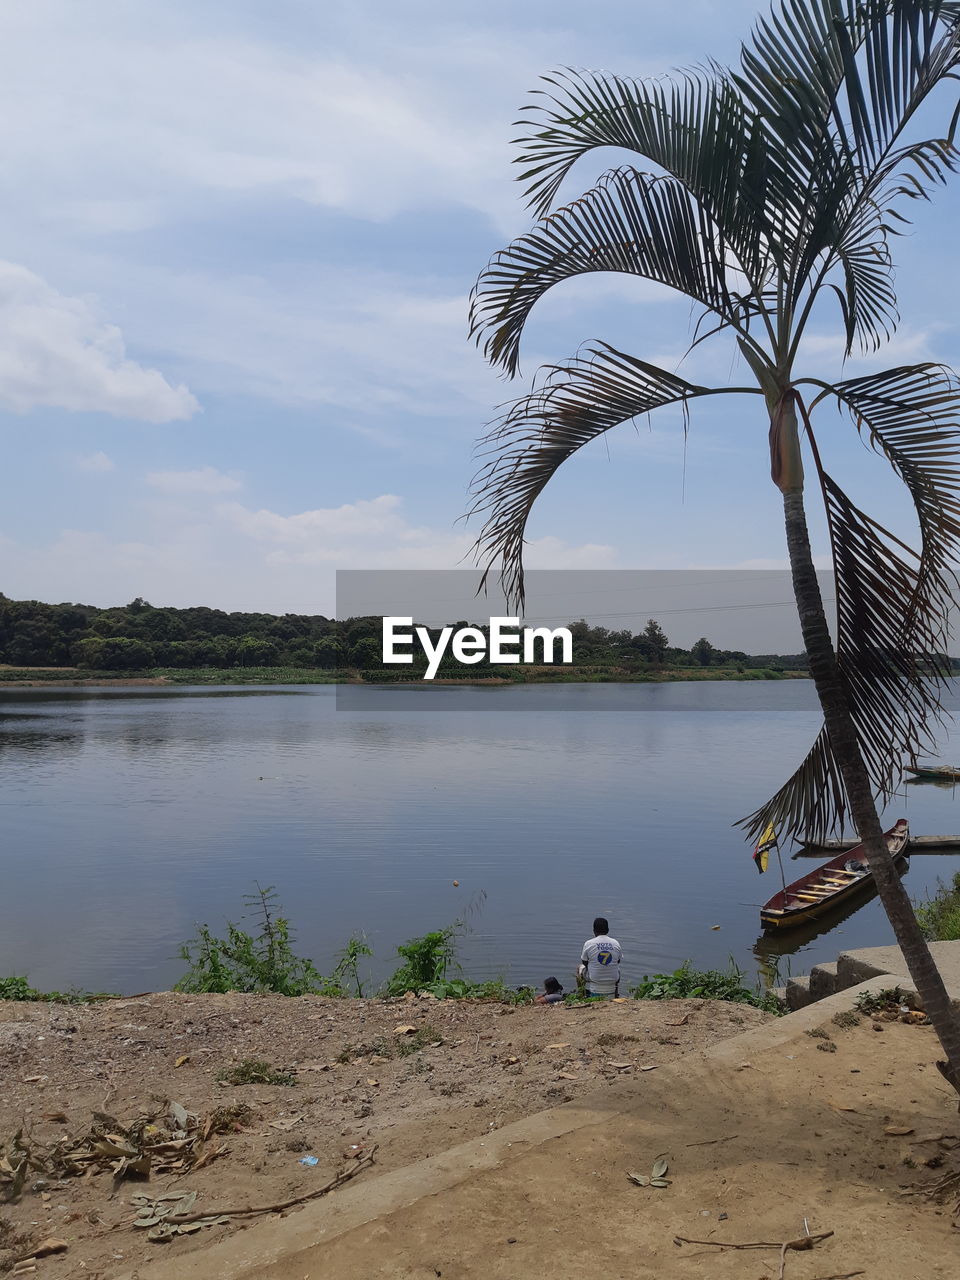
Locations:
128 815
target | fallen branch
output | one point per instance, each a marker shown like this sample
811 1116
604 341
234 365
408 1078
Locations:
707 1142
343 1176
803 1242
845 1275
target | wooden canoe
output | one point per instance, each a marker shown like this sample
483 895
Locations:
937 772
827 886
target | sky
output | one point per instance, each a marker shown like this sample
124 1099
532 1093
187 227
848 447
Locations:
236 246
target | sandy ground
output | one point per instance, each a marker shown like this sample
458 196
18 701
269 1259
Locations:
847 1144
87 1074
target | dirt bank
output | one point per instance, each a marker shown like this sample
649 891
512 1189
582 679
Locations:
362 1077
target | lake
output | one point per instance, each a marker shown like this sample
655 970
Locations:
130 814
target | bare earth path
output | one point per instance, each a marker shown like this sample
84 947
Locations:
465 1071
770 1134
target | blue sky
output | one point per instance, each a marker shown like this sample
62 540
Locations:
236 244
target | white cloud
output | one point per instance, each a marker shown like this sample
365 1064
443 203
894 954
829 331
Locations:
234 557
369 343
907 346
200 480
97 462
55 351
376 533
159 110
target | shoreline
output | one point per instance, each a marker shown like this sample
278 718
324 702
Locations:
10 678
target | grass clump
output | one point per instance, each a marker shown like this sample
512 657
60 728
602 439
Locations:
420 1039
939 916
846 1018
17 988
687 983
381 1047
608 1038
254 1071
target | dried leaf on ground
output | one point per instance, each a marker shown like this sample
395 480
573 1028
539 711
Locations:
47 1247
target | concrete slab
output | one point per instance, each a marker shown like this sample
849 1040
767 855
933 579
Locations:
798 992
823 980
860 965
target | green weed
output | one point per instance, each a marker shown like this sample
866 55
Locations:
880 1001
17 988
688 983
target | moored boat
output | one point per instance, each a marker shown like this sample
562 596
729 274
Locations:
937 772
836 881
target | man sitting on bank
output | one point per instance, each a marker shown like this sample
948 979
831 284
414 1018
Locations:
600 962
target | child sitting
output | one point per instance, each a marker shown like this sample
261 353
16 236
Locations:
552 992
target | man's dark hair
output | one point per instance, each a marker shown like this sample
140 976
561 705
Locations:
551 986
600 926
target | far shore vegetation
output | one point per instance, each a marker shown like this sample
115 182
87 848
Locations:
66 643
264 962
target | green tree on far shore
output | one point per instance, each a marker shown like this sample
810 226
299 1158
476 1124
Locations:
702 651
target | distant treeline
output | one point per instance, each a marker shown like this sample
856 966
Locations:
140 637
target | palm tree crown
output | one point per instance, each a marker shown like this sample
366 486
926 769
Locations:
769 186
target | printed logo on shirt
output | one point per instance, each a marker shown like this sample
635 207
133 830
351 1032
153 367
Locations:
604 957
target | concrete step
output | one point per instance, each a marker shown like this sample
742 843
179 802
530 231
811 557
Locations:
823 980
798 993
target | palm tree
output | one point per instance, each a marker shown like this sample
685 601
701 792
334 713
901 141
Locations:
772 187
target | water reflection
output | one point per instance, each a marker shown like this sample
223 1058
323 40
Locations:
36 740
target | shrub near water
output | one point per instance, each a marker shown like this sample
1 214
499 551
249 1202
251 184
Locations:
687 983
939 916
264 961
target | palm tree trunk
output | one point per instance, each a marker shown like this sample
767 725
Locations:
856 781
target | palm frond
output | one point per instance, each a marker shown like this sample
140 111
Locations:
868 301
694 126
847 72
911 415
575 404
892 603
811 802
631 223
891 665
837 81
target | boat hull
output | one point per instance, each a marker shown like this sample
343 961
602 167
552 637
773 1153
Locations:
813 896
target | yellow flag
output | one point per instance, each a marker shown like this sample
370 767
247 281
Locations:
768 841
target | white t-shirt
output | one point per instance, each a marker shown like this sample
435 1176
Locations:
602 956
